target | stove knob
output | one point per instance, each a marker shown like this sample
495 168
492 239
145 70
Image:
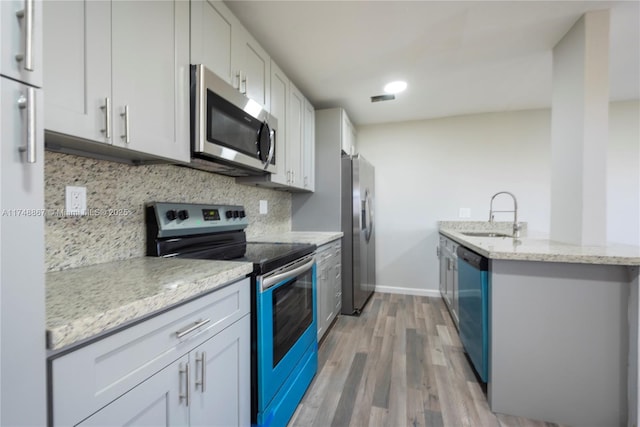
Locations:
171 214
236 214
183 214
229 214
242 214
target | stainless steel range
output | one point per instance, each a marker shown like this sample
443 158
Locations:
284 355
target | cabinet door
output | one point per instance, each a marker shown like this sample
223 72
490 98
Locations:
150 64
22 294
211 37
77 57
252 67
221 393
347 134
321 290
21 43
338 278
154 402
295 136
442 262
279 87
309 147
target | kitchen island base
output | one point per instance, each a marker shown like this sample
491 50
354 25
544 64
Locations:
559 341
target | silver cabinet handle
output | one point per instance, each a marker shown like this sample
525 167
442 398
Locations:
244 80
184 396
27 14
28 102
107 118
237 86
203 371
189 329
125 115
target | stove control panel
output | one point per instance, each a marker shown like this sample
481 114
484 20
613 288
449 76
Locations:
182 219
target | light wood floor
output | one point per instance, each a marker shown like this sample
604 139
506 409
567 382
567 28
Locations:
400 363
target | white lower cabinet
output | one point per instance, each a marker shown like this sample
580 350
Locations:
188 366
448 261
329 284
155 402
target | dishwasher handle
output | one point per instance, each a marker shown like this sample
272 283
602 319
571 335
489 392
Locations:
472 258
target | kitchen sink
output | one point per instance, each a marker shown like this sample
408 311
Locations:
484 234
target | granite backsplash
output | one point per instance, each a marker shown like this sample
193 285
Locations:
116 194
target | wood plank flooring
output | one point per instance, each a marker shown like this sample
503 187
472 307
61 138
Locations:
400 363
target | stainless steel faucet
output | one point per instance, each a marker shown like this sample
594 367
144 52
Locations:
516 225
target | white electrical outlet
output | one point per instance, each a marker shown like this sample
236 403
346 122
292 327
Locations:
75 200
464 213
264 208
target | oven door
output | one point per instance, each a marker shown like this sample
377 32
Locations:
286 325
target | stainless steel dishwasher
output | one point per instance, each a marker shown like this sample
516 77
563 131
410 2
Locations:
473 306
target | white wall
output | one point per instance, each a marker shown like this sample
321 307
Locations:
427 170
623 173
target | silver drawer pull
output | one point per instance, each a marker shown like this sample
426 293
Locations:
189 329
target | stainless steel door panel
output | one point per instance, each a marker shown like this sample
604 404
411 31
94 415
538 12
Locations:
359 235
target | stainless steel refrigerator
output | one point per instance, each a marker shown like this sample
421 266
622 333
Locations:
358 244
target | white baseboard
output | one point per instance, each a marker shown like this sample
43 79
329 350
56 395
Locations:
408 291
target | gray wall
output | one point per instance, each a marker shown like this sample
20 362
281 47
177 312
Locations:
79 241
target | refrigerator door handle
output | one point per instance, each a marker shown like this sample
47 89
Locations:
368 214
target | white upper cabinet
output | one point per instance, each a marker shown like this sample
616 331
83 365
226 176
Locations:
212 25
150 63
278 101
78 79
223 45
309 147
252 67
21 41
348 135
295 136
118 74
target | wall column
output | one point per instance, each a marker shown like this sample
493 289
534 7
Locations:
579 132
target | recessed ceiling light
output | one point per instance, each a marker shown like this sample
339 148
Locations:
395 87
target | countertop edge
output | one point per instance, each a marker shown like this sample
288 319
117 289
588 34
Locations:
472 244
318 238
78 331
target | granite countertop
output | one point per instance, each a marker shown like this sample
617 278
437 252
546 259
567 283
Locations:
317 238
85 302
535 246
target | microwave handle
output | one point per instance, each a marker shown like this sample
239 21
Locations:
272 145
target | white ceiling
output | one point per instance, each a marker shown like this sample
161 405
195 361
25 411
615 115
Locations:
458 57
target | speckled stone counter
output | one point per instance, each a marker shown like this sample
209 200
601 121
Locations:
536 247
317 238
85 302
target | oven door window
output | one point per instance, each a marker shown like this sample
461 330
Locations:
292 314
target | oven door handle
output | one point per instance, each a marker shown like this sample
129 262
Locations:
268 282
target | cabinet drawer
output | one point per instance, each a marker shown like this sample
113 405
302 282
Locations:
87 379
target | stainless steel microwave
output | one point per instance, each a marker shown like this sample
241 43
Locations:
230 133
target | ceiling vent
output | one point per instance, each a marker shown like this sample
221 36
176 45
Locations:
379 98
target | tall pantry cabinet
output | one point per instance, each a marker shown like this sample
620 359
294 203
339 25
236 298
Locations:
22 293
